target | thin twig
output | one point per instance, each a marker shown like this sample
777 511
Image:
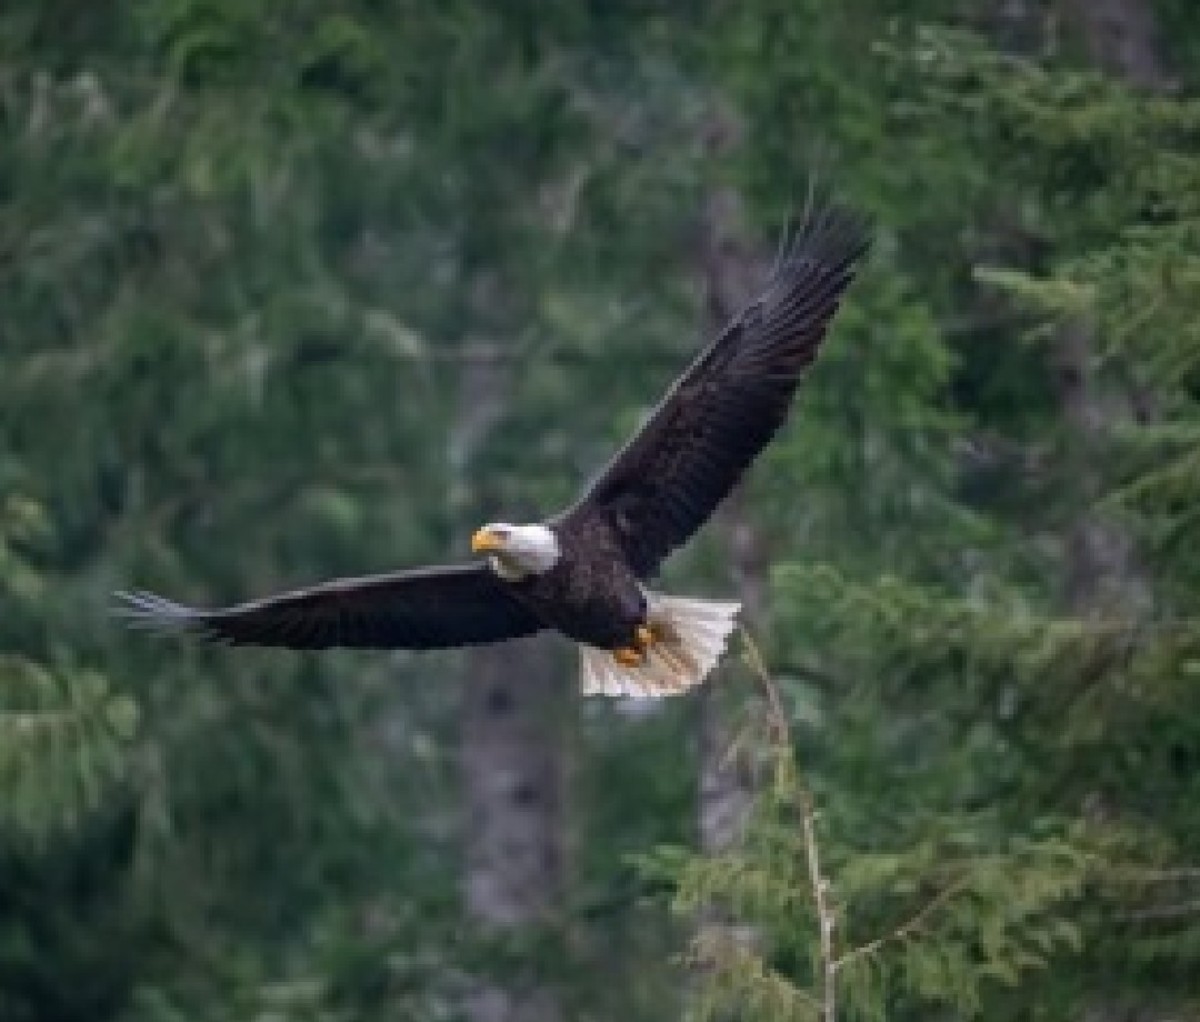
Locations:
821 887
902 931
831 962
825 916
754 658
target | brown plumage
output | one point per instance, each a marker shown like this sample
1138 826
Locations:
426 608
588 567
729 403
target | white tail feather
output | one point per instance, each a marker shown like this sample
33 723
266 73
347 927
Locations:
693 634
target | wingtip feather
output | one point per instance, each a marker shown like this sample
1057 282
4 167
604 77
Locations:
831 232
148 611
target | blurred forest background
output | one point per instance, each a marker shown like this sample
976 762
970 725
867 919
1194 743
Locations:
290 290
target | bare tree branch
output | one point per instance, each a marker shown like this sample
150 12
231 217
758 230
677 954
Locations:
821 888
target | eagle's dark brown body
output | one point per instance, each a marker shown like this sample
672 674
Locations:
591 596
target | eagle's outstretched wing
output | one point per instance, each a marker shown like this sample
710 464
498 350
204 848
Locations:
724 409
428 608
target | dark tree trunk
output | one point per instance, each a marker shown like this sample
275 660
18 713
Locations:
1102 571
1121 36
513 766
733 272
514 777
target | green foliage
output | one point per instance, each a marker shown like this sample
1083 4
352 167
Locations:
64 732
955 908
251 258
248 257
62 742
991 764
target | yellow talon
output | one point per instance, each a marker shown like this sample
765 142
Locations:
626 656
645 636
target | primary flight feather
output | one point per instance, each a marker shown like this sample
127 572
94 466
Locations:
582 571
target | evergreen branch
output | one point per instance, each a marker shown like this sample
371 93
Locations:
821 887
1165 874
63 738
15 723
901 932
1185 908
751 980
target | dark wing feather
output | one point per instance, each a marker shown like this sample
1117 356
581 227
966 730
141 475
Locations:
428 608
729 403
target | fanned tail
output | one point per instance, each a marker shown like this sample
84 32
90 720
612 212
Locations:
692 635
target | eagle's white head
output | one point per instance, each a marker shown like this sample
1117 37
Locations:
517 550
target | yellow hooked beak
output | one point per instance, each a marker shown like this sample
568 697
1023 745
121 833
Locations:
484 541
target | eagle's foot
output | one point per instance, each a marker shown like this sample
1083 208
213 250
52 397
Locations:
665 640
656 633
627 656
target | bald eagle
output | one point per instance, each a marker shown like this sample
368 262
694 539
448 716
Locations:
583 571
